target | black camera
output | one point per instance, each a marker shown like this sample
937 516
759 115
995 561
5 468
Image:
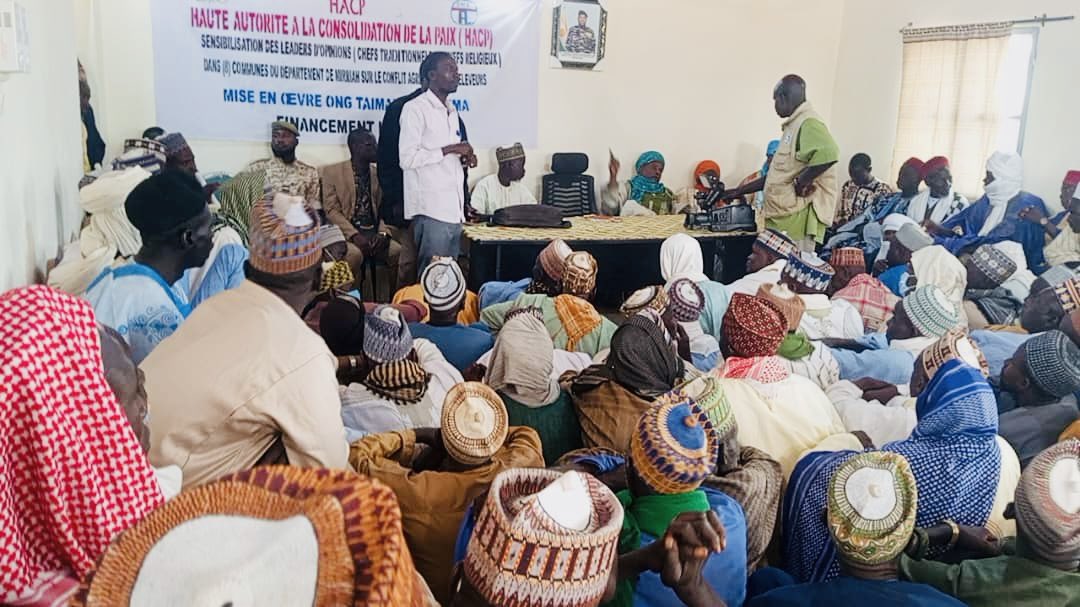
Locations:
707 200
728 218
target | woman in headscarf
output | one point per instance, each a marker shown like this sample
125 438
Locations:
934 265
644 194
520 371
954 454
610 397
996 216
758 199
680 257
73 475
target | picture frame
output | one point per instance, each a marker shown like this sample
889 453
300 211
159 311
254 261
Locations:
578 34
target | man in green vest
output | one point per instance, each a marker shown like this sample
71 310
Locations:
801 186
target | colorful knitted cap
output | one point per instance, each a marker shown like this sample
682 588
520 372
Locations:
993 263
648 297
283 235
1068 294
753 326
673 447
809 270
1053 363
386 335
553 257
848 257
544 537
954 345
872 504
778 243
787 301
707 394
930 311
443 284
273 535
474 423
687 300
579 274
1047 505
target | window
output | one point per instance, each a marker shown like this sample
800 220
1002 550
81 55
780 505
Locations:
1014 88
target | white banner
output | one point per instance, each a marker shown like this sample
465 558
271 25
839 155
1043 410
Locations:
225 69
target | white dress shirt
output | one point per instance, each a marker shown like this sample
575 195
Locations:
490 195
434 182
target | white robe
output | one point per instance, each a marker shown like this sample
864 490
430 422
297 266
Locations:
825 318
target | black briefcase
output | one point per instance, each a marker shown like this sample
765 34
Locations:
529 216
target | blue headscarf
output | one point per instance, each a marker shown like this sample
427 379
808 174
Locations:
953 453
896 278
640 184
770 151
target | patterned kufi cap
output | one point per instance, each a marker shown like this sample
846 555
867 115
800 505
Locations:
687 300
271 536
993 263
443 283
147 154
787 301
553 257
955 344
673 447
544 537
809 270
777 242
474 423
1053 362
648 297
386 335
753 326
509 153
848 257
1048 505
1068 294
579 274
930 311
708 395
283 235
174 143
872 504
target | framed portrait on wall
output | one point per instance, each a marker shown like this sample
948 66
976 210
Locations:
578 34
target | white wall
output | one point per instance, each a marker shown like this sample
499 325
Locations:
40 158
691 78
867 92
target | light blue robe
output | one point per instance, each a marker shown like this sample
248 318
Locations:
136 301
878 361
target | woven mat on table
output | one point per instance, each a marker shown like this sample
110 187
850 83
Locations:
591 227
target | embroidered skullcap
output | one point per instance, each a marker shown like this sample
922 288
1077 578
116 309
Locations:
1048 505
648 297
913 237
1053 362
707 394
955 344
809 270
934 165
283 235
930 311
1057 275
993 263
474 423
443 284
509 153
787 301
553 257
753 326
1072 178
672 449
161 203
287 125
272 535
330 234
873 500
687 300
1068 294
848 257
778 243
174 143
386 335
544 537
579 274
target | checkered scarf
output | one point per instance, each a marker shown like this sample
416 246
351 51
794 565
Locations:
872 299
337 275
578 317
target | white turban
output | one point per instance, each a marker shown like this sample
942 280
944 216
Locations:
1008 172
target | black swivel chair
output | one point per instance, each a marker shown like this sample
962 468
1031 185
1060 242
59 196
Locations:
567 188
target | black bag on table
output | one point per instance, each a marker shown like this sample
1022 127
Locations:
529 216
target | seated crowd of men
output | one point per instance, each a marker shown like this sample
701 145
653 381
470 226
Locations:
202 408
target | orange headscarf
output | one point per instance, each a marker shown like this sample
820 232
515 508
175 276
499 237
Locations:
703 167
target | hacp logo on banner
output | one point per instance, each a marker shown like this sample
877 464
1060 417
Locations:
463 12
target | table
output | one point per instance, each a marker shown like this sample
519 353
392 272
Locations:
627 250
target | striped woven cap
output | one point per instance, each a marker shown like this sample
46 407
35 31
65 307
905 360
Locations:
474 423
283 235
1048 505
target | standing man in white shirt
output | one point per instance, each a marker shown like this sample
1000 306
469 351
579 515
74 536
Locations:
433 159
503 189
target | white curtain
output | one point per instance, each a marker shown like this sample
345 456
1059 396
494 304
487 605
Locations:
948 105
